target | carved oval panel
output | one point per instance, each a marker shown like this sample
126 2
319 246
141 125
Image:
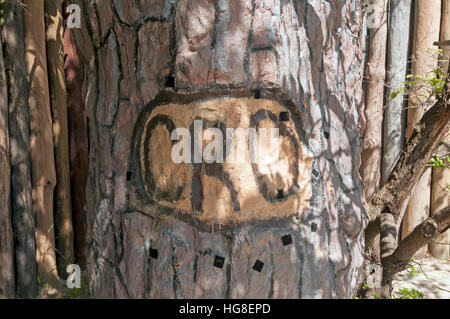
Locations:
237 160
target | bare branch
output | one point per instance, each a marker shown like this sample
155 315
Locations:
442 43
394 194
419 237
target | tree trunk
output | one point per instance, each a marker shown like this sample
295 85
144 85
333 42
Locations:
397 58
440 194
7 282
21 199
79 148
375 77
63 208
427 24
41 140
221 230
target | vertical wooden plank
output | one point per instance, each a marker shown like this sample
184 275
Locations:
55 59
7 285
21 199
78 144
440 194
41 139
445 32
426 31
397 58
440 198
374 76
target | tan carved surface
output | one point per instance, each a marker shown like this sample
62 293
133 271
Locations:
225 193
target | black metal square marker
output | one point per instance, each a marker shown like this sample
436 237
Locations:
154 253
170 81
219 261
287 239
280 194
129 174
315 173
258 266
313 227
284 116
257 94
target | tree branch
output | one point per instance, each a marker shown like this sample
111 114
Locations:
419 237
394 194
442 43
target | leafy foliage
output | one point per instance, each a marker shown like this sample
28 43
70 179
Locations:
376 296
413 270
440 161
410 293
424 87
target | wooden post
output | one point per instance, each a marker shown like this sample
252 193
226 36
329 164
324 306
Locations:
21 199
426 31
397 58
79 148
7 281
440 198
375 76
41 139
440 194
63 207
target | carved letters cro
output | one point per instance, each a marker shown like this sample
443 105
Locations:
225 193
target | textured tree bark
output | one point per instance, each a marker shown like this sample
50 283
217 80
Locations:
79 148
396 68
7 281
388 243
21 199
375 77
440 194
41 140
427 24
306 56
63 208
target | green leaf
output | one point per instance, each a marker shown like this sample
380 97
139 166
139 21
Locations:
376 296
410 294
